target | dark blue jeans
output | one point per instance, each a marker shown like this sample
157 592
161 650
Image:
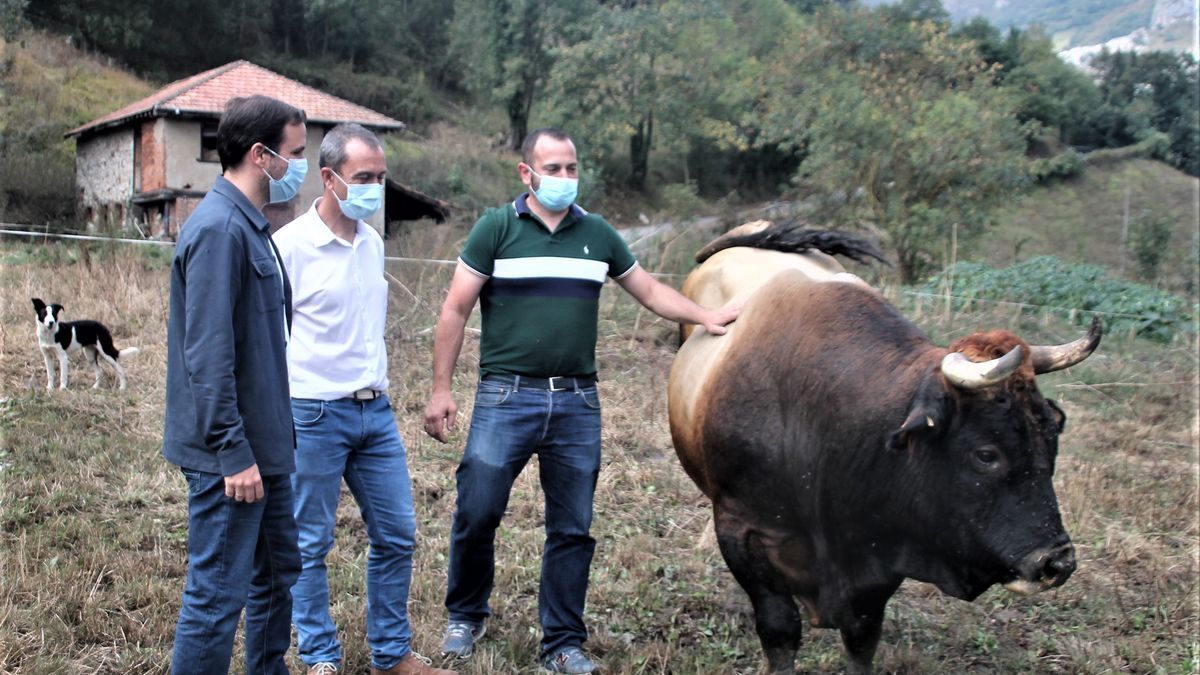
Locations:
509 425
239 556
356 441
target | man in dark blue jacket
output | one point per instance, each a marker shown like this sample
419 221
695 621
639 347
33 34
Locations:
228 413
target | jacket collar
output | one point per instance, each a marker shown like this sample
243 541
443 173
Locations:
223 187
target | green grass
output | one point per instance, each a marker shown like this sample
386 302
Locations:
92 519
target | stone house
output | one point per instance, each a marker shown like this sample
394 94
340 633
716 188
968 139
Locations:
149 163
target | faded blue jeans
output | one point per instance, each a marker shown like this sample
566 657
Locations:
356 441
239 555
508 426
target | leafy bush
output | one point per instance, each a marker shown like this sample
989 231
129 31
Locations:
1062 165
1149 236
1046 282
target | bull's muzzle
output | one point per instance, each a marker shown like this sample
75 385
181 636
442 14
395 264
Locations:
1043 569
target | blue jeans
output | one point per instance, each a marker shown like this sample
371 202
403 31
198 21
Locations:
356 441
239 555
509 425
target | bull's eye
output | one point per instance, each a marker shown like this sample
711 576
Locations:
986 459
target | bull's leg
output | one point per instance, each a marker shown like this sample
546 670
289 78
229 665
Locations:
776 617
861 637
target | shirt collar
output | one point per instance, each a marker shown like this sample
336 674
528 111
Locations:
223 187
521 205
321 234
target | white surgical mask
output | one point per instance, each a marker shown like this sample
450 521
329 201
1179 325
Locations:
283 189
362 199
554 193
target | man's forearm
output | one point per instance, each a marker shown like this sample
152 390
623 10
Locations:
447 344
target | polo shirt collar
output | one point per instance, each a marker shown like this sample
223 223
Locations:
228 190
521 206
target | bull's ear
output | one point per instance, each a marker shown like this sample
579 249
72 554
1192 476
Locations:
1060 417
927 415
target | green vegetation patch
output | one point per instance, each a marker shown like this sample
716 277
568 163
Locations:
1047 283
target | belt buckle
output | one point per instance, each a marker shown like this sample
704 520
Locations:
366 395
556 388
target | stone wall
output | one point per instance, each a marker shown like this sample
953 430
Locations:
104 169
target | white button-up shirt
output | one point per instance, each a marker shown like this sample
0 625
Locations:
339 303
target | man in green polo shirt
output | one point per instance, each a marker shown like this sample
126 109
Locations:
537 266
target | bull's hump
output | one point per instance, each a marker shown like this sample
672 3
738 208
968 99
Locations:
737 273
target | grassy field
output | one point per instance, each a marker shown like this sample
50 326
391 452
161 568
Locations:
92 519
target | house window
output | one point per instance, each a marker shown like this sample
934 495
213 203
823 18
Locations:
208 142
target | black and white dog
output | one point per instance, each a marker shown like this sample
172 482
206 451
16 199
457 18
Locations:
59 338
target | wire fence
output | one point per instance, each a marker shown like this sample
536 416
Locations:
10 229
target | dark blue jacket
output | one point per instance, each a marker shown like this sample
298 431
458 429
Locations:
227 383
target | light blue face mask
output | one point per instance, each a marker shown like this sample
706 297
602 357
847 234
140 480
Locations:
556 194
283 189
362 200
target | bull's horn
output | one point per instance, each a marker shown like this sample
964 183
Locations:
1057 357
967 374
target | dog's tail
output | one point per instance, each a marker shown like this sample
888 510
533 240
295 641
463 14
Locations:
127 352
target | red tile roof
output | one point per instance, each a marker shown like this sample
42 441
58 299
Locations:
207 93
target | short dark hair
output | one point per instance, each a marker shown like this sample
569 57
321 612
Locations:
532 139
333 146
253 119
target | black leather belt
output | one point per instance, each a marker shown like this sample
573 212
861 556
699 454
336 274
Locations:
549 383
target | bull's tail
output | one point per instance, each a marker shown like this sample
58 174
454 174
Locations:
793 237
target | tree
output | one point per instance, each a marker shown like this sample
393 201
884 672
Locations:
1049 91
904 127
12 17
503 48
1153 91
653 75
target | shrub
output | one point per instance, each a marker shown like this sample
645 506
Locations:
1149 235
1046 282
1062 165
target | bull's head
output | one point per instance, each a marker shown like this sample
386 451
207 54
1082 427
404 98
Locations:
982 430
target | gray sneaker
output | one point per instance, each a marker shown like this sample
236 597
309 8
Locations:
569 660
460 638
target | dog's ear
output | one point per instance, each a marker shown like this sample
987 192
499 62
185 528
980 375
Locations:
38 305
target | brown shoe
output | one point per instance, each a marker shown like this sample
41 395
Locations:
413 664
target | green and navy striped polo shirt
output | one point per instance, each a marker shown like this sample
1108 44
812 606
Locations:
542 295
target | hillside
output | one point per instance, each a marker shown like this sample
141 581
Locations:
46 87
1083 26
1081 219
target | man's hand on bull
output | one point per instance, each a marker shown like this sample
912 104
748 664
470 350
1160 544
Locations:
716 320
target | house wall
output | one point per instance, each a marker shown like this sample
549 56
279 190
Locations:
184 168
169 157
152 152
104 168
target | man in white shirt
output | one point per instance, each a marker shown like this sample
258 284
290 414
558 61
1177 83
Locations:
337 367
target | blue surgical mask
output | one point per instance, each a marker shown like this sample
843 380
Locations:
283 189
556 194
362 200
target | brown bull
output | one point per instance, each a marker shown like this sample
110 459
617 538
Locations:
843 451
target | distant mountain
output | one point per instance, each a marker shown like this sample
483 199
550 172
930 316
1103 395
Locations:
1134 24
